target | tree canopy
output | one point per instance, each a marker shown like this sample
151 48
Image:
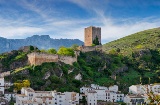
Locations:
66 51
95 41
18 85
52 51
74 47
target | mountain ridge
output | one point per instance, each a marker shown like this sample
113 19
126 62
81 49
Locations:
41 41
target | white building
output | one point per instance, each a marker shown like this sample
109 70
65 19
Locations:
143 89
113 88
29 96
8 96
102 93
71 98
134 100
1 86
83 89
137 89
91 97
112 96
94 86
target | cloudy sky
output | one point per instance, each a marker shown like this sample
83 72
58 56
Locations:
68 18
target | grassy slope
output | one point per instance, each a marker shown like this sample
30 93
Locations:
145 39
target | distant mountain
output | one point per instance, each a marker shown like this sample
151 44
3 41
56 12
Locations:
148 39
40 41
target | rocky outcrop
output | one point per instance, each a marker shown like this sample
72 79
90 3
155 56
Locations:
141 52
47 75
78 77
18 64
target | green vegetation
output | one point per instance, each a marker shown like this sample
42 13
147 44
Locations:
129 61
19 84
95 67
95 41
148 39
52 51
20 69
66 51
21 55
62 51
74 47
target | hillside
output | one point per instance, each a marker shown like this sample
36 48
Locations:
94 67
142 65
148 39
41 41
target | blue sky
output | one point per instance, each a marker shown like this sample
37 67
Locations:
68 18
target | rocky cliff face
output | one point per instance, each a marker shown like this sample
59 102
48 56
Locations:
41 41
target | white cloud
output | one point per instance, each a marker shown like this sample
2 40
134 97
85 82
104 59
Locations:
73 28
18 32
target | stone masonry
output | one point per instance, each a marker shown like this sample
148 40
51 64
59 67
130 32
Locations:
90 34
36 58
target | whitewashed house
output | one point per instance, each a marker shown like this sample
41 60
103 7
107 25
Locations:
1 86
134 100
91 97
113 88
143 89
137 89
8 96
102 93
94 86
71 98
83 89
30 97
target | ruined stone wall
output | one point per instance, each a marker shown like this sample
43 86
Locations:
39 58
67 59
90 34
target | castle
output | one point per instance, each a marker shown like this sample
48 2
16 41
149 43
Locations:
90 35
92 39
92 42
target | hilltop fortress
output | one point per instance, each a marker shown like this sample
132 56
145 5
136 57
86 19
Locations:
36 58
92 42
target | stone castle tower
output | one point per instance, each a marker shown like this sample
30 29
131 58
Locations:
90 34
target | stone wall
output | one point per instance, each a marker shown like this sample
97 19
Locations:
39 58
67 59
90 48
88 36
